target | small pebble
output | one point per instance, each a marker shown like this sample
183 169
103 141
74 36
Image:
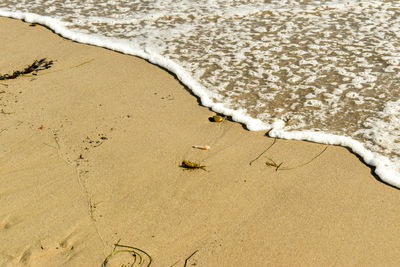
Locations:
217 118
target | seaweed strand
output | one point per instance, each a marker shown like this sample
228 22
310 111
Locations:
251 162
37 65
128 249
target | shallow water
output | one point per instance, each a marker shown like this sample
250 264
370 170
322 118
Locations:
321 72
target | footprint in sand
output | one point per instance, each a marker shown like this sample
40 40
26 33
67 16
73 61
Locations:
48 250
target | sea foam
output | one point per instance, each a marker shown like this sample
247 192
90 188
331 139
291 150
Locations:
327 73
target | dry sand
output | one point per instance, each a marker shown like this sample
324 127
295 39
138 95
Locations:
90 156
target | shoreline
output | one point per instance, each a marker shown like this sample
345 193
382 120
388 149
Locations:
378 163
91 154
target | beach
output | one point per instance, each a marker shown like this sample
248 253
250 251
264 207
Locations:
91 156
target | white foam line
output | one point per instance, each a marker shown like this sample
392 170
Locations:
384 168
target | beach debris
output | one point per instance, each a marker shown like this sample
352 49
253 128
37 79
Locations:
251 162
218 118
272 163
188 258
192 165
279 166
202 147
301 165
139 256
36 66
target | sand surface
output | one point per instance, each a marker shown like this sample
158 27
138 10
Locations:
90 155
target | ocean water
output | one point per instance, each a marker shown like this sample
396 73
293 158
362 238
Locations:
324 71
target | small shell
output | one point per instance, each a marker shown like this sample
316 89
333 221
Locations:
202 147
191 164
217 118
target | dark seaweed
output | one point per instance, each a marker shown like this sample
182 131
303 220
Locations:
36 66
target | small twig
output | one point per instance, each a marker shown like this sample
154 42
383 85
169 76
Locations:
251 162
191 255
277 167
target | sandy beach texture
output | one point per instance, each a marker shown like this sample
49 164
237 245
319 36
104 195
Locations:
90 151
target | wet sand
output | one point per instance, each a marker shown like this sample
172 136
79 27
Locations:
90 156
